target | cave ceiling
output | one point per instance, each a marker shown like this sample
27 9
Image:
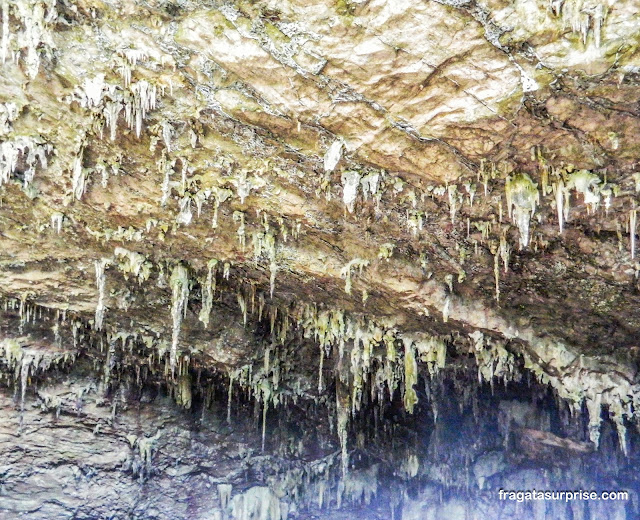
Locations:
454 180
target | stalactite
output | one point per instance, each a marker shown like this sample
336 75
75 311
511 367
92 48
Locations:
632 231
100 266
505 252
446 308
179 284
208 290
30 150
522 196
350 183
56 222
345 273
594 409
111 113
239 217
79 176
6 34
342 415
167 134
25 365
452 192
410 375
333 155
496 274
560 195
587 184
185 214
224 492
232 376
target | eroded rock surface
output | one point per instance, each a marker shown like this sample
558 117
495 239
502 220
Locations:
256 244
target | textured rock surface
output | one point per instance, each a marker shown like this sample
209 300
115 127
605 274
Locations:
332 207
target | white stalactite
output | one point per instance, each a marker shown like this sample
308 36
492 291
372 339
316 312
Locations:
350 183
179 284
100 266
522 195
632 231
78 180
333 156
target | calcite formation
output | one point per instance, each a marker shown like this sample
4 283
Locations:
321 259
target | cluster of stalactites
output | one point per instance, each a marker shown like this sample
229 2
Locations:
132 263
522 199
578 380
587 185
310 486
375 359
375 354
32 37
258 502
136 99
31 150
101 281
8 114
493 359
522 196
135 265
108 101
582 17
346 272
574 378
352 180
22 359
264 243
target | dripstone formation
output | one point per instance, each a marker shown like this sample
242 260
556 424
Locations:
318 259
